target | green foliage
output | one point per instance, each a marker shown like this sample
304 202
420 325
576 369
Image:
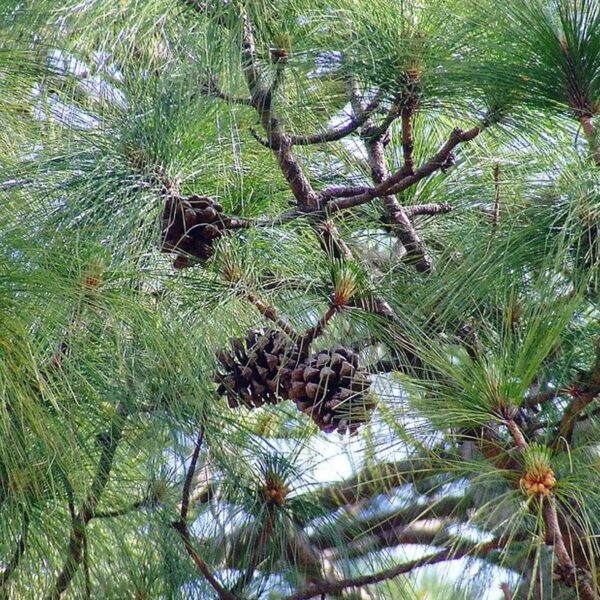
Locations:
482 369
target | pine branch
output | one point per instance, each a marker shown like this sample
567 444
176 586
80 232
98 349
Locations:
427 209
120 512
375 144
445 555
346 528
591 134
210 87
400 180
337 133
584 391
262 101
13 564
567 572
270 312
378 479
181 526
421 534
109 443
407 141
314 332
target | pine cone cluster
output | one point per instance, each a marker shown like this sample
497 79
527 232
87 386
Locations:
539 482
332 389
190 226
266 367
258 369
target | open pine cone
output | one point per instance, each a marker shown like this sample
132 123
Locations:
258 370
190 226
333 390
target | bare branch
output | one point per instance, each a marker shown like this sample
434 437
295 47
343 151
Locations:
445 555
187 484
400 180
211 88
338 133
427 209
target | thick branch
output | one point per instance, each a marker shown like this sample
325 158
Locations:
567 572
407 141
400 181
279 142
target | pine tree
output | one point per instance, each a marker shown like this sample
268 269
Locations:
299 299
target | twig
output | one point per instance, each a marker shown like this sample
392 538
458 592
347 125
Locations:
187 484
506 591
181 527
316 331
380 130
109 443
211 88
270 312
337 133
13 563
496 215
119 512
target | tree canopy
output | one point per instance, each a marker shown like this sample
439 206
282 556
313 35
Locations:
299 299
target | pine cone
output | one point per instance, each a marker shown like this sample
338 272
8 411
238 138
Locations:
332 389
258 370
190 226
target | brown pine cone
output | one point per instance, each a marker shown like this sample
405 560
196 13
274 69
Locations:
190 226
332 389
258 369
